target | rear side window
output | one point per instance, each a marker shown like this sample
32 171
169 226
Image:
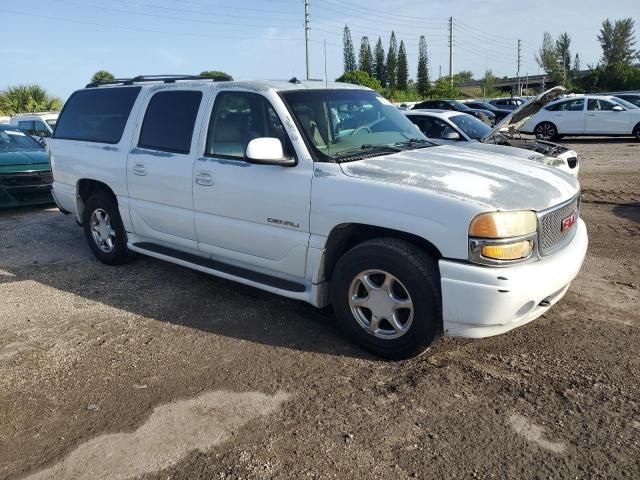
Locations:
169 121
96 115
28 126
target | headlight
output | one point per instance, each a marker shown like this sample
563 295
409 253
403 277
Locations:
553 161
503 224
496 238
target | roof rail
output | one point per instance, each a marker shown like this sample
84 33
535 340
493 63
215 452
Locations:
158 78
24 114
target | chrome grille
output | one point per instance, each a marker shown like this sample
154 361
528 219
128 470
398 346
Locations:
552 237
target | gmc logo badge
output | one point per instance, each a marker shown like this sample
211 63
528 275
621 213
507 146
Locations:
568 222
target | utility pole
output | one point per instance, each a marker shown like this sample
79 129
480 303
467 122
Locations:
306 35
519 60
451 50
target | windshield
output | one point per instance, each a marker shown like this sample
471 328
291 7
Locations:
471 126
461 107
339 124
624 103
13 139
52 123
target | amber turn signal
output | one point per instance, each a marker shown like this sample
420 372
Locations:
508 251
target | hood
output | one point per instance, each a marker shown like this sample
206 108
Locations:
24 157
513 122
496 182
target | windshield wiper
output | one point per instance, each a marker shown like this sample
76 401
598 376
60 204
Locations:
415 143
368 150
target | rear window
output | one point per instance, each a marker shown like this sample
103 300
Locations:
96 115
169 121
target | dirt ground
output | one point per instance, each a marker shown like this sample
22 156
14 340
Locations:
153 371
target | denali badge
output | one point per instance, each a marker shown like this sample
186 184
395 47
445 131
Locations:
286 223
568 222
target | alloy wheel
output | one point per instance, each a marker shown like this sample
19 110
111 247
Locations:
381 304
102 232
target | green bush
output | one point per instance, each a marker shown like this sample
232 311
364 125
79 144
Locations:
358 77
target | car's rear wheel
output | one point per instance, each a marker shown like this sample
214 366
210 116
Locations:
546 131
636 132
386 296
104 230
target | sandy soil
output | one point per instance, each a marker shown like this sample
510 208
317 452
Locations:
154 371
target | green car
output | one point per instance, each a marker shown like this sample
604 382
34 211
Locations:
25 172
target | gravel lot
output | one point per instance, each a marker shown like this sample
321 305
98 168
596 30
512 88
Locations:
154 371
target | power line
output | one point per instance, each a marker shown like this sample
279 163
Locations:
167 17
146 30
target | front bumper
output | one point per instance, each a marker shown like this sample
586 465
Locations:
485 301
25 188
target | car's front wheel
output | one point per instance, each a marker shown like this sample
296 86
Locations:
386 296
546 131
104 230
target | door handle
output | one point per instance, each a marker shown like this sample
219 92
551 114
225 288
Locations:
204 178
139 169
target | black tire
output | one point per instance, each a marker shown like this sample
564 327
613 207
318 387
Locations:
546 131
105 202
636 132
416 272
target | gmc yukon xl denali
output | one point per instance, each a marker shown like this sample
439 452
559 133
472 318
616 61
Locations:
322 192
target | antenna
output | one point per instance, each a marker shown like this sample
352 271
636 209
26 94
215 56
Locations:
326 78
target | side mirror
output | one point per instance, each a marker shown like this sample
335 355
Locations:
617 108
268 151
451 135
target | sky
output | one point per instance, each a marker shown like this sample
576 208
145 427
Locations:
59 44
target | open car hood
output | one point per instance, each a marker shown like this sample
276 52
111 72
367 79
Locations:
513 123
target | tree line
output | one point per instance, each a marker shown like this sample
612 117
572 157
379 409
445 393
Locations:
386 72
617 69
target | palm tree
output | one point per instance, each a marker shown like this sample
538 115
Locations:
102 76
27 98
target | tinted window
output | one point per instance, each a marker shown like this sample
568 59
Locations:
27 125
96 115
576 105
432 127
238 118
596 104
169 121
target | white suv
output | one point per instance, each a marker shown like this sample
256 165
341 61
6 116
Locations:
585 115
319 192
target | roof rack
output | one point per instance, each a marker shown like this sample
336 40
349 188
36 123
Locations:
158 78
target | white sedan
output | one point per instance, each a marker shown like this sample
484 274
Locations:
586 115
454 128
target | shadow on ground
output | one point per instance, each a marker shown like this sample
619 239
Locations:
53 252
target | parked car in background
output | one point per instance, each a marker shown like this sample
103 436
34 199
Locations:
485 115
510 103
585 115
4 119
39 125
498 112
460 129
322 192
25 173
633 98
